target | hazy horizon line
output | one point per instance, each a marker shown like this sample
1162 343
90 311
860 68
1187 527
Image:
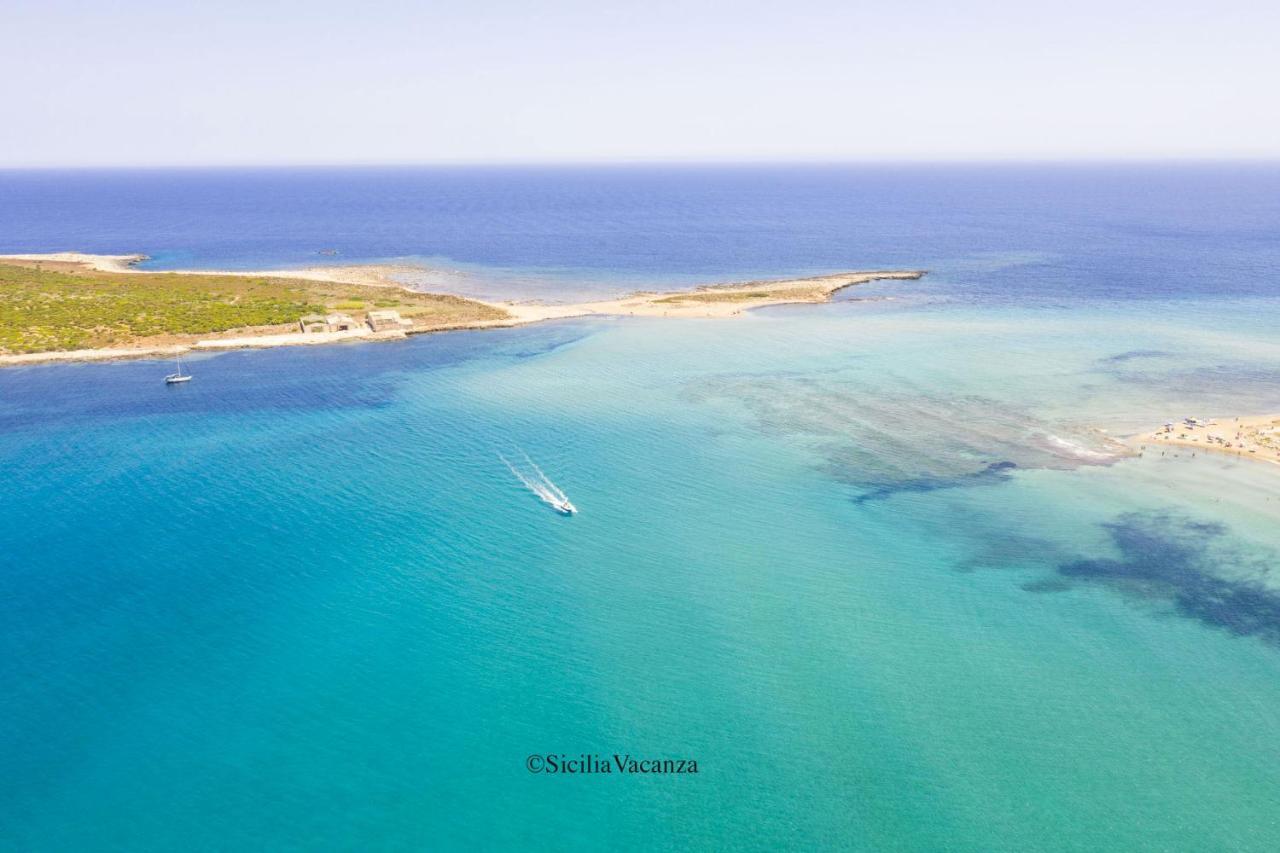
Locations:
639 162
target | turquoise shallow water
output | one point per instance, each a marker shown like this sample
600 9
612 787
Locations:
868 563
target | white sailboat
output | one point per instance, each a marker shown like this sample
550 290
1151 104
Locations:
175 378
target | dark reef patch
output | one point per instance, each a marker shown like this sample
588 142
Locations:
996 472
284 379
1051 584
883 443
543 339
1223 387
1121 357
1003 548
1169 558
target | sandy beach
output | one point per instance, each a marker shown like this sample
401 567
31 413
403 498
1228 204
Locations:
711 301
373 275
1247 437
715 301
104 263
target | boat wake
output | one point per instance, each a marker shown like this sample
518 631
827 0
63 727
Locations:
540 484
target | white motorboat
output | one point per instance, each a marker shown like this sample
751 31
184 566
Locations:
540 484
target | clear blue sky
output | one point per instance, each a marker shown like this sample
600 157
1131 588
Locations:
157 83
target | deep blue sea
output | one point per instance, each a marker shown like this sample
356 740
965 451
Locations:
871 564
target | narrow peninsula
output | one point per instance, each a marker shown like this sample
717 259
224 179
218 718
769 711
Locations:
76 307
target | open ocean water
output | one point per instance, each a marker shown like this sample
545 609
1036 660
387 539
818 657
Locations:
867 563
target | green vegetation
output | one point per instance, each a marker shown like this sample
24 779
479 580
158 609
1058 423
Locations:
43 310
436 310
740 295
66 307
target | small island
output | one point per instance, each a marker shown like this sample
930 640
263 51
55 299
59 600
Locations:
75 307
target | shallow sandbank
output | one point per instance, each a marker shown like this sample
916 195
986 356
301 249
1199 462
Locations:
1246 437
